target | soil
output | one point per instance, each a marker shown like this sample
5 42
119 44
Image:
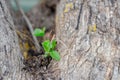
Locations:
36 63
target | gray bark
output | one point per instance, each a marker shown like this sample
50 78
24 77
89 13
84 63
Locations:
88 54
85 54
10 56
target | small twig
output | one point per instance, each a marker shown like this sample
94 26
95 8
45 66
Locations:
53 37
29 26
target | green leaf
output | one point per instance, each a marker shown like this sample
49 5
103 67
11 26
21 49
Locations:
39 32
46 45
53 43
55 55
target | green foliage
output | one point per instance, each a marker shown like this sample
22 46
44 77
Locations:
46 45
39 32
53 43
49 49
55 55
49 46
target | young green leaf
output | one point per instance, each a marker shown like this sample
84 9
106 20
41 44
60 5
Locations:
39 32
46 45
53 43
55 55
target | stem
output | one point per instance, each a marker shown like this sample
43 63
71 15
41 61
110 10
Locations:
29 26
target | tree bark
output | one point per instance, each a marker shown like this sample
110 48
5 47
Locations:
10 56
88 41
88 35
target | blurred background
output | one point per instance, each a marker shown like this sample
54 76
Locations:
40 13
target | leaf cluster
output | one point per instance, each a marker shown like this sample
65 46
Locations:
49 46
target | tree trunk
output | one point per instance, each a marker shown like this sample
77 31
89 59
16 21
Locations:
88 34
10 56
88 41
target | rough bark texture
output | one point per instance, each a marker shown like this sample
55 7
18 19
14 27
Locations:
10 56
89 52
9 50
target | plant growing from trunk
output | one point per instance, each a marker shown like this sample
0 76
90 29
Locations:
49 46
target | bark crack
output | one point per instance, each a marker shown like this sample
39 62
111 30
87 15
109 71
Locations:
2 7
79 16
90 16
